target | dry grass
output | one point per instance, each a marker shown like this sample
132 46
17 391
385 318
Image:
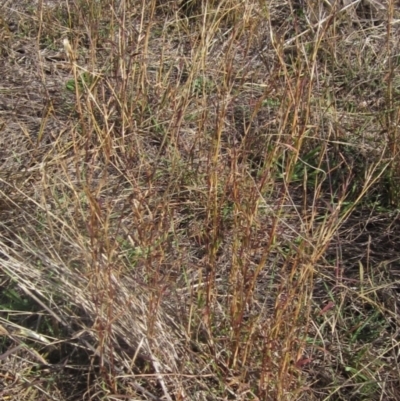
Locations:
199 200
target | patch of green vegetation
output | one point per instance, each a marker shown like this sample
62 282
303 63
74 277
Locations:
203 85
270 102
11 299
85 80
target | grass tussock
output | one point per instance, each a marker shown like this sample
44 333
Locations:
199 200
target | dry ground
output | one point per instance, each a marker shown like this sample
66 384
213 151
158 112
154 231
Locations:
199 200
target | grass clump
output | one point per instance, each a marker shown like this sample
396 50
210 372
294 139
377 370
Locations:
198 200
